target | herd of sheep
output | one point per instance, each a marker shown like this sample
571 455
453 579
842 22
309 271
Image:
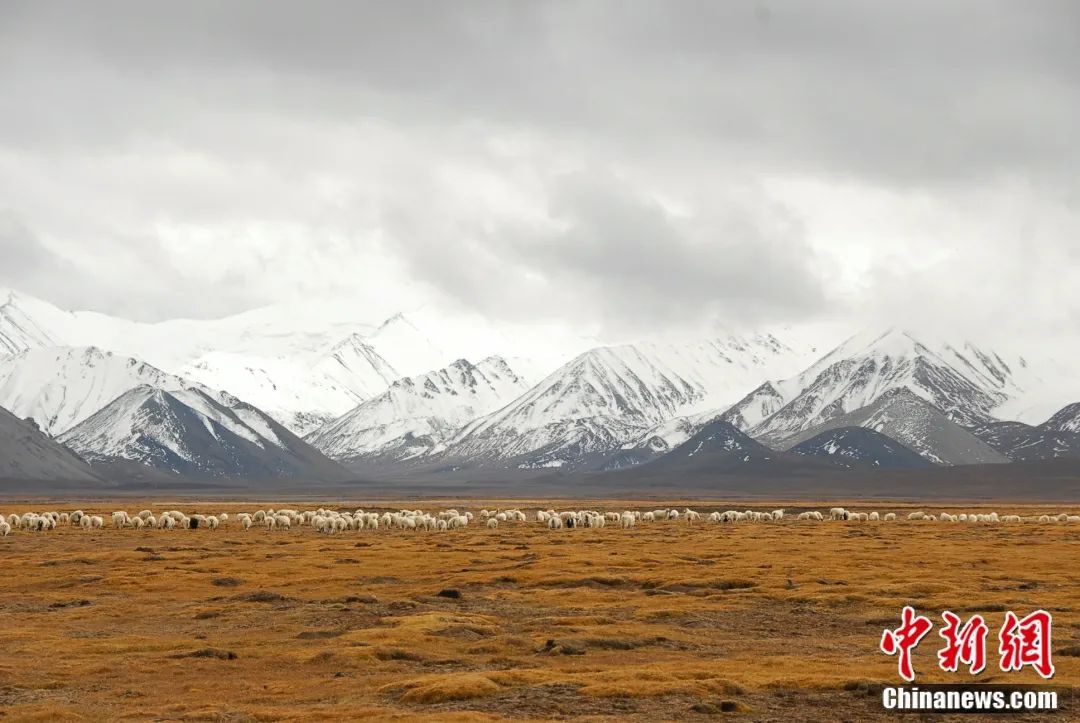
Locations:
332 521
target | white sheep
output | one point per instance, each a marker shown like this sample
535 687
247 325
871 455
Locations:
5 528
493 523
890 516
874 516
838 513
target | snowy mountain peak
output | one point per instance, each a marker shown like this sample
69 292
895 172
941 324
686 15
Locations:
908 418
19 330
964 381
416 415
609 396
189 432
59 386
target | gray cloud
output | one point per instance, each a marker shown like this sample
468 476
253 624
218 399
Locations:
612 159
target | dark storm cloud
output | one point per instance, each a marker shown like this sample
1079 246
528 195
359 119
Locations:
655 100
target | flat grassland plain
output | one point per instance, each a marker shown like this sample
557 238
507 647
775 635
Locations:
773 621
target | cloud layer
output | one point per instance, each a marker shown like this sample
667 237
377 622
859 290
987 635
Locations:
635 165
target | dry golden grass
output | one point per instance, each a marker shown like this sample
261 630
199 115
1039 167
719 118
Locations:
779 621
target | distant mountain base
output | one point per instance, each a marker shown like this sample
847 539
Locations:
1045 480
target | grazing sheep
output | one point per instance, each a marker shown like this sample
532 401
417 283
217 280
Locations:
838 513
212 523
627 520
916 515
554 522
874 516
5 528
890 516
97 522
777 515
493 523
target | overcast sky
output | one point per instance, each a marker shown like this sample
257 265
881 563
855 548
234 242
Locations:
634 165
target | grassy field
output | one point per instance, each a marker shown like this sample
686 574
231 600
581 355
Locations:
666 621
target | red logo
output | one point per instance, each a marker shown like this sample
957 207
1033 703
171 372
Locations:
1026 642
1023 642
905 639
965 644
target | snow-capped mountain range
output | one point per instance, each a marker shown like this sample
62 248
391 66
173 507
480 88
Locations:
417 415
609 396
433 391
303 365
60 386
193 434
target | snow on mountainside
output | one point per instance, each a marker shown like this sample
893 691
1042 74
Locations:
860 447
305 363
416 415
19 330
302 394
1055 438
58 387
609 396
1065 420
1022 442
191 433
28 454
967 383
906 417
